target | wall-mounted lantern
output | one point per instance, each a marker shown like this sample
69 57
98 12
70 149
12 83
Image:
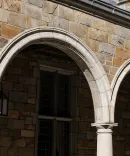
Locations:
3 103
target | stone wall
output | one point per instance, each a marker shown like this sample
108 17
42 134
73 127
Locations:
125 6
110 42
20 84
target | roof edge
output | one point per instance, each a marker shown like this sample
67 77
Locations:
99 9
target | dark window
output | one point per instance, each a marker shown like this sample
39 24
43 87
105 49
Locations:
46 93
54 94
54 111
45 138
62 138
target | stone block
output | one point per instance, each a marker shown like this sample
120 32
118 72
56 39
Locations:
4 15
109 27
15 124
27 72
3 151
9 31
113 70
83 126
92 33
31 81
19 106
116 40
30 127
78 29
17 20
29 88
18 96
19 62
108 63
12 78
87 135
28 120
83 18
4 132
32 100
26 151
121 31
109 58
127 44
38 3
120 52
83 144
15 71
7 85
21 142
27 133
31 10
3 121
107 49
117 62
13 151
32 95
17 87
15 133
30 108
99 24
66 13
12 5
3 42
11 105
102 36
59 23
98 35
32 22
127 152
5 141
33 64
13 114
30 142
49 7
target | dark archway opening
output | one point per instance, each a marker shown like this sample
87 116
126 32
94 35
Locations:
122 117
35 74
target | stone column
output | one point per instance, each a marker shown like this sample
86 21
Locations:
104 139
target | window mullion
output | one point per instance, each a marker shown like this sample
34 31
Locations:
55 113
54 137
55 93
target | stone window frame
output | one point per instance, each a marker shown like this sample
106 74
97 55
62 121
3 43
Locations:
73 132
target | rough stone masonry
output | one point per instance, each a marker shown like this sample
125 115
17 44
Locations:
109 42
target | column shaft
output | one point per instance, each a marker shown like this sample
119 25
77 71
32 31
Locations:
104 142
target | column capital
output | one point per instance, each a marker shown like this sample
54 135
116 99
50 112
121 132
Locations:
104 126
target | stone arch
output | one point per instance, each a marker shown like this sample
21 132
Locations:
118 78
81 54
